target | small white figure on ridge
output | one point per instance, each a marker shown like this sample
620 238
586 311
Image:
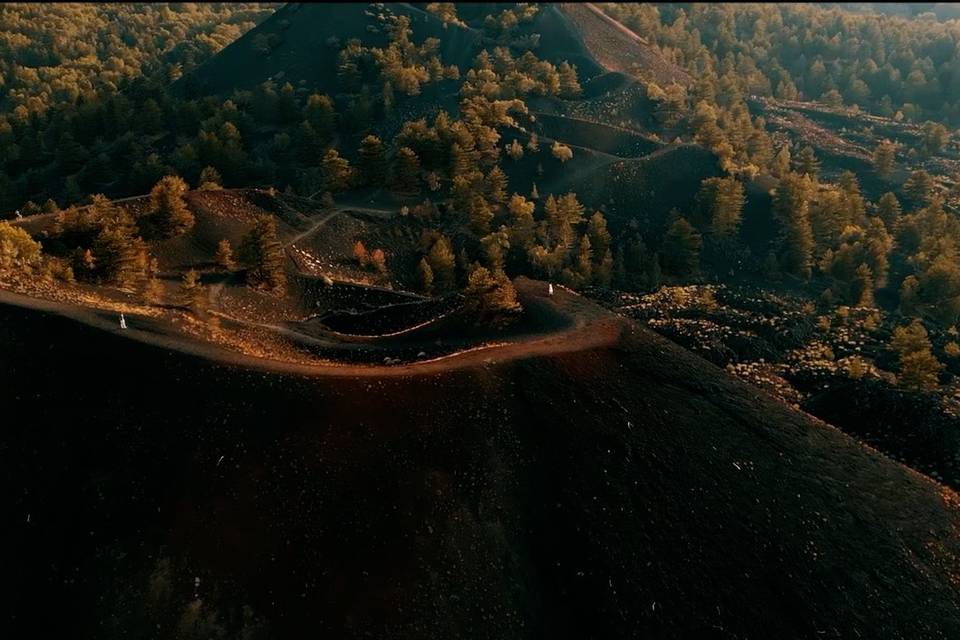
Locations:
123 322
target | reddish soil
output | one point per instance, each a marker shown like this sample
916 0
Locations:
590 326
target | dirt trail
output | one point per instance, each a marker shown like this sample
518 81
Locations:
315 227
216 289
592 327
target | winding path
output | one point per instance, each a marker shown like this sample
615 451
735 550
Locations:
216 289
315 227
592 327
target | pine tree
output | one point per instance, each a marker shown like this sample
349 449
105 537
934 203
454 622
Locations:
878 244
17 249
490 296
337 172
287 109
584 261
888 209
480 215
120 257
263 255
70 154
884 159
865 286
308 144
705 88
909 295
722 201
462 161
522 226
515 150
919 368
562 214
781 162
153 292
920 187
828 217
546 262
569 85
599 234
443 264
360 254
372 163
378 261
389 98
760 148
669 103
807 163
463 263
446 12
654 274
495 245
224 255
533 144
852 202
934 137
681 248
84 263
940 288
321 115
191 292
405 178
603 272
424 276
463 190
166 199
791 205
495 185
703 122
561 152
210 179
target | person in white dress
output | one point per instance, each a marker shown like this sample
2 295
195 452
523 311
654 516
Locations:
123 322
550 289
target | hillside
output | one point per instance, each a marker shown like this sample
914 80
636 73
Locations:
483 320
306 39
645 189
301 51
616 48
450 502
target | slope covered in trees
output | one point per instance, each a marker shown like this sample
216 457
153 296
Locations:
883 64
51 54
301 44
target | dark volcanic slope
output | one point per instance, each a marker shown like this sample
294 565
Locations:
622 492
304 55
